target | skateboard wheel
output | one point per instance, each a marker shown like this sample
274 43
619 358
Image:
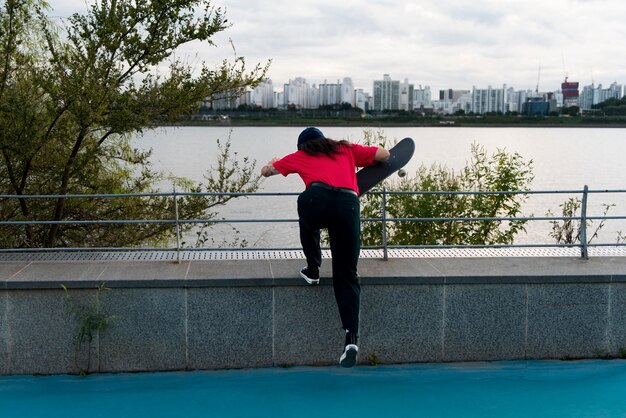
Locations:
401 173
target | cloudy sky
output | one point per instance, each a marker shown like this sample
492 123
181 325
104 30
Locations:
443 44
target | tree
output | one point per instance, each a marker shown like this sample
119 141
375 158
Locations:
71 98
570 110
610 102
501 171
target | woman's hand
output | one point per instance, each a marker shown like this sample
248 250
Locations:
381 154
268 169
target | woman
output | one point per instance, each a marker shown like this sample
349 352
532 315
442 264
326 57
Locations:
330 200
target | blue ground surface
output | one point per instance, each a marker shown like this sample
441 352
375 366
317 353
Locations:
495 389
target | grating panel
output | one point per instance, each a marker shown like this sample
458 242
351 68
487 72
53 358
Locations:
297 254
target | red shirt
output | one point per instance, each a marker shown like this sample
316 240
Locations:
338 171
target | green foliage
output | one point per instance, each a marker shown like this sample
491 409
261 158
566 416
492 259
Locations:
568 231
612 107
601 353
501 171
570 110
91 320
373 359
71 98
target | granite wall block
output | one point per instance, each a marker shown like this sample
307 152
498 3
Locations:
4 333
42 333
617 319
307 328
567 320
484 322
147 332
401 323
229 327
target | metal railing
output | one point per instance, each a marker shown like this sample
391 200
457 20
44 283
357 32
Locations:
583 218
178 222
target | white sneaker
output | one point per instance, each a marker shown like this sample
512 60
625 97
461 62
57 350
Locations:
348 358
309 276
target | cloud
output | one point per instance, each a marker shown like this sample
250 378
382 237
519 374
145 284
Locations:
445 44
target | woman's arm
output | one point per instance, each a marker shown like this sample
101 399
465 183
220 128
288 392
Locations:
268 169
381 154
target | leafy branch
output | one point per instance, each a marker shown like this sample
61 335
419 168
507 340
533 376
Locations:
569 230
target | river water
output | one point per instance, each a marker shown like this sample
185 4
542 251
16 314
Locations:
563 159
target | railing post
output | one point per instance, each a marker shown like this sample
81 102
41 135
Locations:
384 222
177 226
584 253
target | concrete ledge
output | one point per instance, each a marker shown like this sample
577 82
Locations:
228 273
258 313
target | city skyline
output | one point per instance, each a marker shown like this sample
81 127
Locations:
390 94
455 44
368 89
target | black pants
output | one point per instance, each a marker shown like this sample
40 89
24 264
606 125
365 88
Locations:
340 213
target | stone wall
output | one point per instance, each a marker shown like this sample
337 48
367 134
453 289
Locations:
257 313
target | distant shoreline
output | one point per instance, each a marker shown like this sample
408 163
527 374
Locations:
391 124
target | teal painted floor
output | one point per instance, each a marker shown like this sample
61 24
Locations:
594 388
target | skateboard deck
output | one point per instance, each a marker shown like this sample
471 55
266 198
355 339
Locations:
399 155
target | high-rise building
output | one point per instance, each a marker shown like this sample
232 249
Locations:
450 101
488 100
263 95
296 93
362 100
465 102
569 89
592 95
422 97
406 95
228 100
614 91
511 100
386 94
451 95
313 98
347 92
539 105
330 94
299 94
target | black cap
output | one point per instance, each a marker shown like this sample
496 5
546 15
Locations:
309 134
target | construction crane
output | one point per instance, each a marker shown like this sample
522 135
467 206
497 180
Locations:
538 77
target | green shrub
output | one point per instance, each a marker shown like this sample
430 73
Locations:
501 171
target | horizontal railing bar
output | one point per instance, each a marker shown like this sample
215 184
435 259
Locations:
461 219
139 249
538 218
94 222
87 196
371 247
460 246
243 194
156 194
144 221
482 219
287 220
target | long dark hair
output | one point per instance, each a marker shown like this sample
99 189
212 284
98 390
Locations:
326 146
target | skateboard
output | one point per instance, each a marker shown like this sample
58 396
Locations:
400 154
